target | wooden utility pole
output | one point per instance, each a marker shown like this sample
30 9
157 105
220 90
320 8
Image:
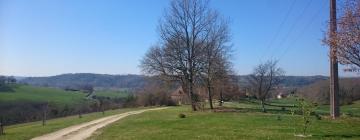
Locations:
1 126
334 77
45 108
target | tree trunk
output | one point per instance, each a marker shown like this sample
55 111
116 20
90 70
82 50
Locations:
80 114
192 96
263 106
210 96
221 98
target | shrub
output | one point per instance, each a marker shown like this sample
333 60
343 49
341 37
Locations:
283 108
349 114
181 115
318 117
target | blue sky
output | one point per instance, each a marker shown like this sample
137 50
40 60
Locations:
50 37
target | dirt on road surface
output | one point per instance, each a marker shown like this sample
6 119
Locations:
85 130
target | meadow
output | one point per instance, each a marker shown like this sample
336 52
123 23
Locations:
25 103
112 93
233 125
25 93
235 120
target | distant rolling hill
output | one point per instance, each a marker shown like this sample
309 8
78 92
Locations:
99 81
289 81
105 81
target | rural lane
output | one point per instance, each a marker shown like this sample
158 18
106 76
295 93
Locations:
85 130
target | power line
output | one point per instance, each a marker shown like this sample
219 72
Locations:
303 31
279 28
293 25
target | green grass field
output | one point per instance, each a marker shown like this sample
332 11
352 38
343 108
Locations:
245 122
253 106
112 94
165 124
29 130
24 93
25 103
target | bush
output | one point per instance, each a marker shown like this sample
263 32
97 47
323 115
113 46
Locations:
318 117
349 114
181 115
155 98
283 108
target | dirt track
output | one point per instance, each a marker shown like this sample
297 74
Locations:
85 130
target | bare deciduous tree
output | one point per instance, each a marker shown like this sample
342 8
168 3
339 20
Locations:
347 37
216 56
185 34
264 79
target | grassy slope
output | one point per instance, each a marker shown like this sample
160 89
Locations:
23 93
33 129
112 94
353 109
165 124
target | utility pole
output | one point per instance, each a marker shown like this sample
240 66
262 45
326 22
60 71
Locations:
334 76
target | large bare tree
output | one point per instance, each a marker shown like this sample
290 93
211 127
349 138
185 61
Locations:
263 81
216 56
347 38
185 31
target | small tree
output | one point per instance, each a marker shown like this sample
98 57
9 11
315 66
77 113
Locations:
80 109
102 103
2 80
305 109
264 79
10 80
87 88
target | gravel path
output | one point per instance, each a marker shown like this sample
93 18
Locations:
85 130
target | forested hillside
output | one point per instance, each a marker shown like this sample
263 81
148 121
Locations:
319 91
289 81
105 81
102 81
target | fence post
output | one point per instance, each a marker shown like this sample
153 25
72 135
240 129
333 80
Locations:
1 126
45 108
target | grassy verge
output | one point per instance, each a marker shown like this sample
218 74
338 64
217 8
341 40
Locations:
33 129
165 124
